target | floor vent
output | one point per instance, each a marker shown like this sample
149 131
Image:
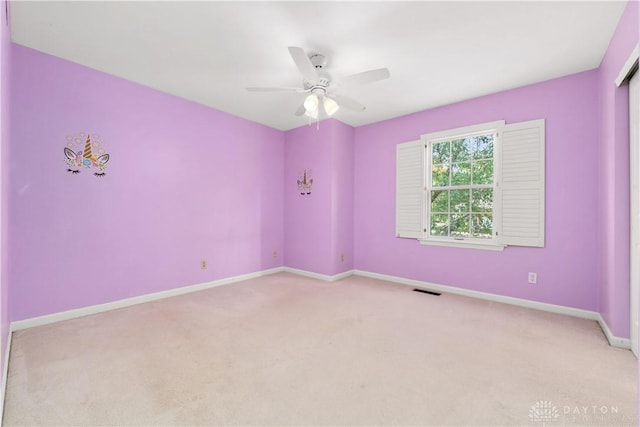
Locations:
427 292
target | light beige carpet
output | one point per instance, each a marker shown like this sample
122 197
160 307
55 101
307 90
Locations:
287 350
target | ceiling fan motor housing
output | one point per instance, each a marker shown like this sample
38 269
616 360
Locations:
323 82
324 79
318 61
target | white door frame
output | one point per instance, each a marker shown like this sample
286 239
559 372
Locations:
628 73
634 226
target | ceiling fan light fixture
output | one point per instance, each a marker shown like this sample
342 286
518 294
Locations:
312 113
311 103
330 106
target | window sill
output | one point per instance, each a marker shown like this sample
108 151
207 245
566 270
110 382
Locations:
488 246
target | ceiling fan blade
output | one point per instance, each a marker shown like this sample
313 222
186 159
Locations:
349 103
275 89
300 111
365 77
303 63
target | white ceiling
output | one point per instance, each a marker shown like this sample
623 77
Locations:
437 52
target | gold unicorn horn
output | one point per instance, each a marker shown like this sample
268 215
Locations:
87 149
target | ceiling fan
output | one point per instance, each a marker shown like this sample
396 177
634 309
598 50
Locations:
322 98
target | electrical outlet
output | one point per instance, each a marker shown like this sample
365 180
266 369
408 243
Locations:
341 257
203 264
533 277
275 253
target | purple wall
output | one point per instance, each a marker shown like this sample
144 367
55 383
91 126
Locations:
318 226
614 174
5 58
566 267
184 183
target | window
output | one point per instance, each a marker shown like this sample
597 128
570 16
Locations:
460 186
479 186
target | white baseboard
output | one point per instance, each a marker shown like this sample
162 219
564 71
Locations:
5 375
319 276
613 340
99 308
85 311
552 308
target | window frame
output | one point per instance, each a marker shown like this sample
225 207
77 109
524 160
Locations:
494 127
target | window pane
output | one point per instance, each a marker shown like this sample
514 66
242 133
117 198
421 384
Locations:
483 147
483 172
440 153
440 201
461 173
482 200
459 200
439 225
461 149
482 225
460 225
439 176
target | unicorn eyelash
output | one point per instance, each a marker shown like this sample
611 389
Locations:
73 171
100 174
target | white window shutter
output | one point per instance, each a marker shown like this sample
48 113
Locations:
410 212
521 184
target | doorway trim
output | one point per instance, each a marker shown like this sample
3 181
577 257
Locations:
634 202
628 72
629 67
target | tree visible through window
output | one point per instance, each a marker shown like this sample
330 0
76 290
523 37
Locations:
462 187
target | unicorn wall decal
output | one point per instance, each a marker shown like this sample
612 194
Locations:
304 182
85 158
